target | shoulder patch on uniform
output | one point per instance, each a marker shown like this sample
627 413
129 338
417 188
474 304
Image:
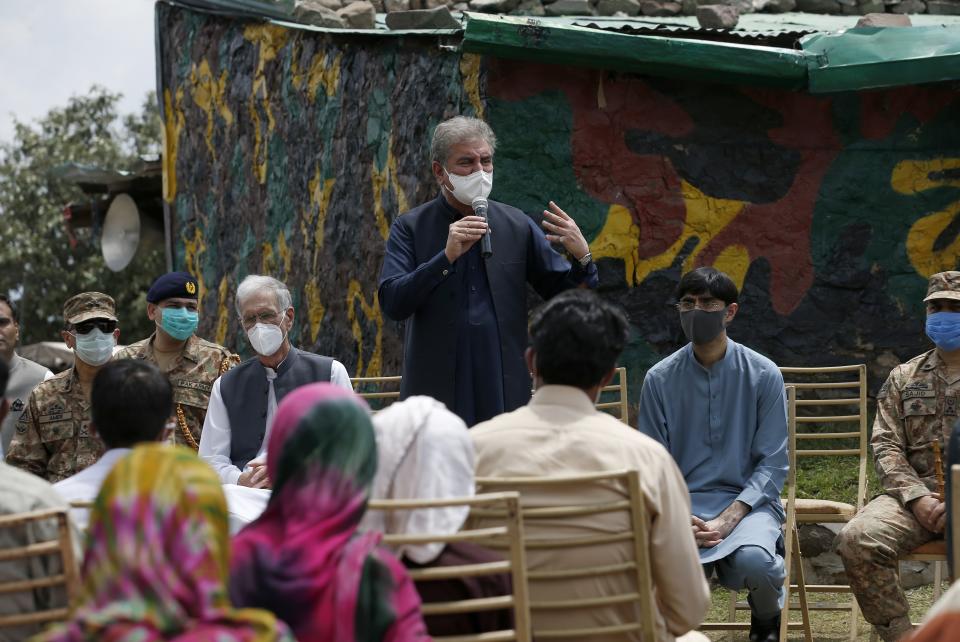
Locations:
17 405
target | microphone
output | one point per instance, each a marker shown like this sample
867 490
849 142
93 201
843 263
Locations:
480 209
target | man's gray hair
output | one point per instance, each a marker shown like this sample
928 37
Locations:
257 282
459 129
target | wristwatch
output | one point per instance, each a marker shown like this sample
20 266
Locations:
585 259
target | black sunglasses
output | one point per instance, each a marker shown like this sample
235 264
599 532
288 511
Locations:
106 326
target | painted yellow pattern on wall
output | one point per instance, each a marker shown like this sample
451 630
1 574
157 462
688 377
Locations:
320 192
267 262
619 239
174 122
705 218
315 309
284 252
734 260
913 177
380 179
371 312
223 315
208 95
194 249
470 71
270 40
320 72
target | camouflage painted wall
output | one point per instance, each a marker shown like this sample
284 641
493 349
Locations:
290 152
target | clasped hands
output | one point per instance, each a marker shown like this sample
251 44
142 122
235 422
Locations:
559 227
255 475
710 533
931 512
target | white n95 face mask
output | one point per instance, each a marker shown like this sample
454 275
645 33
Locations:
265 338
467 188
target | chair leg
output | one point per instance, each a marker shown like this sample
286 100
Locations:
937 580
788 572
801 588
854 618
732 605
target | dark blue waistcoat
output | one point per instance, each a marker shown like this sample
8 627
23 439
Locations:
430 343
244 390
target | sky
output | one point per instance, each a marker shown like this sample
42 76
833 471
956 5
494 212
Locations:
53 49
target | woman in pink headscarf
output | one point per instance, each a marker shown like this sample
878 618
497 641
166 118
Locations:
303 559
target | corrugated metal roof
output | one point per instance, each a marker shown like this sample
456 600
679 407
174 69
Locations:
766 29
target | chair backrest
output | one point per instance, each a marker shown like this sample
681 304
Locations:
613 397
551 529
508 535
379 392
832 415
66 576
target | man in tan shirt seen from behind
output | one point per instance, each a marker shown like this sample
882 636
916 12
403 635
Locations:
576 339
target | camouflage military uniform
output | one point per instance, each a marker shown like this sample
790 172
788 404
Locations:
916 406
195 369
53 439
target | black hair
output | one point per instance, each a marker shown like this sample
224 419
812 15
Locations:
130 402
13 309
577 337
708 280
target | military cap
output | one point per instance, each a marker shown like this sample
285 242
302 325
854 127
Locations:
89 305
180 285
944 285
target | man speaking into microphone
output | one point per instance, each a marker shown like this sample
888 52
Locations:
466 313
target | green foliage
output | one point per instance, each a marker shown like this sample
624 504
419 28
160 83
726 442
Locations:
38 264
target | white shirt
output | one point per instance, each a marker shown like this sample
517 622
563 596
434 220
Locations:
215 437
85 485
244 505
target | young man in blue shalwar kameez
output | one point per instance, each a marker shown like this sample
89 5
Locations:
720 409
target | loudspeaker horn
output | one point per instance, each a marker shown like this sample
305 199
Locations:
121 232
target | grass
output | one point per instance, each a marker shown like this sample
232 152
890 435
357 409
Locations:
826 626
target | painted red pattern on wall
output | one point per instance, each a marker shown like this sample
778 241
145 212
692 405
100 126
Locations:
697 143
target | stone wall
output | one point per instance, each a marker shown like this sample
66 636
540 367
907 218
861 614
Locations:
290 152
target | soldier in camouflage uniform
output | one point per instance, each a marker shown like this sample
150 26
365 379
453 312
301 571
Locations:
191 363
53 438
916 407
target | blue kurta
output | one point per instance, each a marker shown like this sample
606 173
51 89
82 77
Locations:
479 370
726 427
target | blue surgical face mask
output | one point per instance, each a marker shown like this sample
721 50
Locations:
95 348
943 328
179 323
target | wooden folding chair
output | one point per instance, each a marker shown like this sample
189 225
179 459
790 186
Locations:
66 575
557 532
373 390
508 535
828 399
613 397
792 559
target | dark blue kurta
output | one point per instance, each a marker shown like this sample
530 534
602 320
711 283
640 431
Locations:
466 321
